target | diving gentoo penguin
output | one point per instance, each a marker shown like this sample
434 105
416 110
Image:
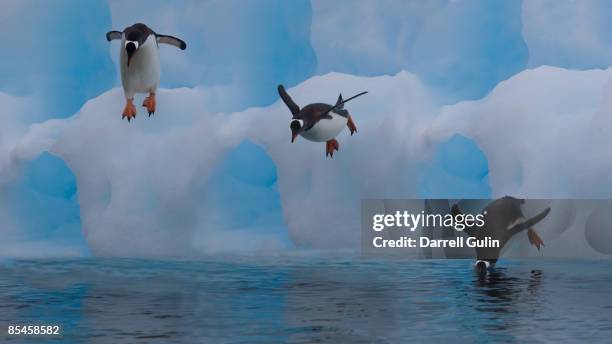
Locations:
139 58
503 218
319 122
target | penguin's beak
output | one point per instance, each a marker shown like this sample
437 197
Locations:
295 129
130 49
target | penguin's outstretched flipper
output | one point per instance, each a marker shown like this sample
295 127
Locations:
529 223
293 107
177 42
340 103
112 35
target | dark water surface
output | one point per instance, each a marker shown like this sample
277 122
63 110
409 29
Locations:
307 300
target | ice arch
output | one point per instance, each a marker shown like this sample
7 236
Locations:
39 211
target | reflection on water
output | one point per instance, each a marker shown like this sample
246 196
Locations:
309 300
501 288
503 295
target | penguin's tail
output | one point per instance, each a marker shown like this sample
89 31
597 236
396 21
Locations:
340 103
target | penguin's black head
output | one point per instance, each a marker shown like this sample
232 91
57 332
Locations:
296 127
135 37
482 266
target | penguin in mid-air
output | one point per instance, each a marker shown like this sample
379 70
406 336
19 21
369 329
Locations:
139 59
503 218
319 122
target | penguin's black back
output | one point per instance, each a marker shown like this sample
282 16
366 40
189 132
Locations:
321 110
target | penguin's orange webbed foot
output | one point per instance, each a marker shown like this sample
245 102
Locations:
351 125
535 239
149 103
129 111
330 146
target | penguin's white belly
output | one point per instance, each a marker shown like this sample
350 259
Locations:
142 75
325 129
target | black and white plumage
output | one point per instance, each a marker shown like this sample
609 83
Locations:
503 219
139 63
319 122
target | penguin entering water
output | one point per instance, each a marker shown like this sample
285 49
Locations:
319 122
503 218
139 59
